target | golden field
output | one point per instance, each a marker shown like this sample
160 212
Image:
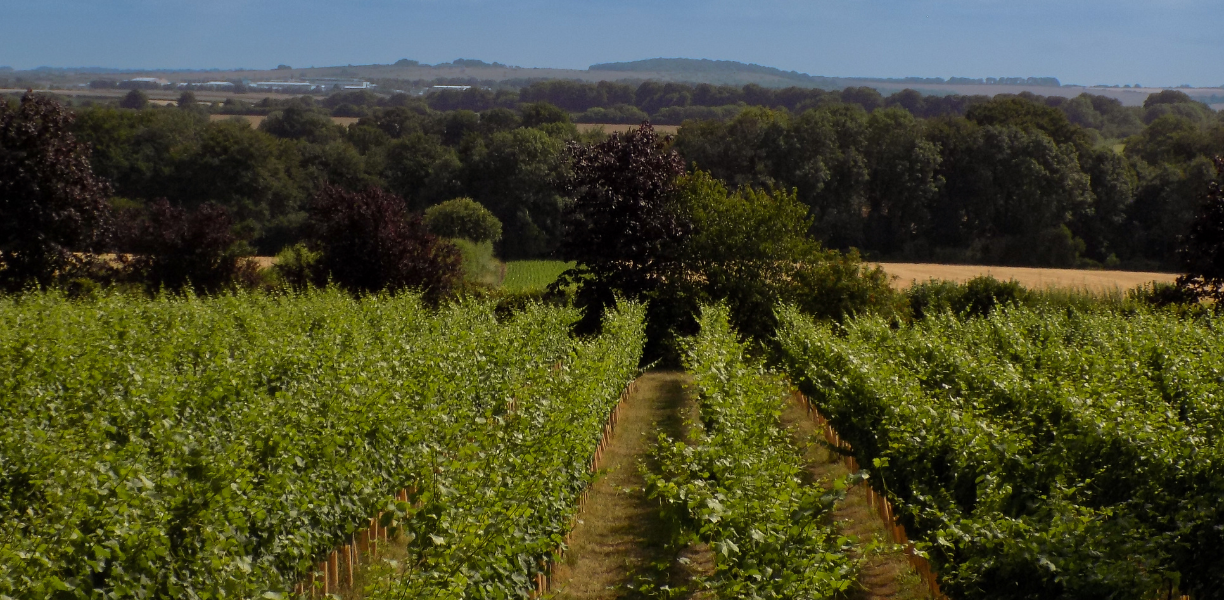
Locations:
905 274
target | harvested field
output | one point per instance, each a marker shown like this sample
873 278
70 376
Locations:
612 127
1092 281
255 120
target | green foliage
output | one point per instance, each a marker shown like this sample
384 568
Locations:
298 123
479 264
208 448
1159 295
1035 453
977 297
463 218
750 250
516 175
542 113
297 265
1002 186
738 485
621 113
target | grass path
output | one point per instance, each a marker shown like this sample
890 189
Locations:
620 534
885 576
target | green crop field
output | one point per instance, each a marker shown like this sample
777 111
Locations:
532 275
1036 453
219 448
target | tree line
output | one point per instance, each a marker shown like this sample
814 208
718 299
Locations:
1015 180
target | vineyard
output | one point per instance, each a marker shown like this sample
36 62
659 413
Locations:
219 448
1036 453
185 447
738 486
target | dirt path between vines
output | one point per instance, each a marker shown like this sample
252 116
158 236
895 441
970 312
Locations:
885 576
620 542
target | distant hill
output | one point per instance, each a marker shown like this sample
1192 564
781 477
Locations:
696 66
410 74
705 66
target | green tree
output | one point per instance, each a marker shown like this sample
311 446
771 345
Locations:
902 181
51 203
187 100
421 170
541 113
463 218
516 175
822 155
298 123
751 250
135 100
252 174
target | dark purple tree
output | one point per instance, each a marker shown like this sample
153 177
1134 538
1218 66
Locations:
370 242
173 248
1202 251
51 203
626 229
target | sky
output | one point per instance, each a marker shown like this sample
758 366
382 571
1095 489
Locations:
1150 42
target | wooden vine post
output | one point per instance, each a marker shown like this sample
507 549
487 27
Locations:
544 577
340 565
878 502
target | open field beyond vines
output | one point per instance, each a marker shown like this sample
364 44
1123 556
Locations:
537 274
1033 278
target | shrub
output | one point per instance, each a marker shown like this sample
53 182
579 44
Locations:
369 242
977 297
750 250
479 265
1160 294
463 218
51 203
174 248
297 266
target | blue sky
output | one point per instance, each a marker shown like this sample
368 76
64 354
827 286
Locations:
1153 42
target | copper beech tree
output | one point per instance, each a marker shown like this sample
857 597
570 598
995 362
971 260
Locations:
1202 251
368 242
625 229
53 209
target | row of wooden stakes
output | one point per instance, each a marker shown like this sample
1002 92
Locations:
879 503
884 508
544 577
337 571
